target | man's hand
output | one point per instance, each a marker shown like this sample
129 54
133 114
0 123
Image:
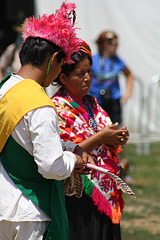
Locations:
82 158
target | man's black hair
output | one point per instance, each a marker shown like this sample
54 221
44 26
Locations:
35 51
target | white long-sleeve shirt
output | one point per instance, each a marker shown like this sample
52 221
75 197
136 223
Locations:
38 133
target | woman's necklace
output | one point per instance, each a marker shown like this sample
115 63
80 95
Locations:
65 93
90 110
89 107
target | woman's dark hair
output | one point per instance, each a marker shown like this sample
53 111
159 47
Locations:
35 51
68 68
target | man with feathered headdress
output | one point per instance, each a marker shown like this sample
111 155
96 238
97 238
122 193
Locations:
32 161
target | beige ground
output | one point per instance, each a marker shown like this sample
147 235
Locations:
148 220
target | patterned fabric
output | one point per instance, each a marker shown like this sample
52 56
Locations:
74 125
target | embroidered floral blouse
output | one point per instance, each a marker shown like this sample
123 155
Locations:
79 119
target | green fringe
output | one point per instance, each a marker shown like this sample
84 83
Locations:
88 186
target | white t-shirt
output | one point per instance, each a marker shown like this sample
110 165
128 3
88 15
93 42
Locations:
38 133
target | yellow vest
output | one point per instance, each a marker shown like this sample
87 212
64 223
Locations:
18 101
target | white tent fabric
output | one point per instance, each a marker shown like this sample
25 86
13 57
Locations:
137 25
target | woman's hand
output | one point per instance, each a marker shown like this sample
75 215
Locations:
108 135
125 134
111 136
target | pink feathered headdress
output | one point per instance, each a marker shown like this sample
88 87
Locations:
57 28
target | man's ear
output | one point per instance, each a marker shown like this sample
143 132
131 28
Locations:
62 78
54 58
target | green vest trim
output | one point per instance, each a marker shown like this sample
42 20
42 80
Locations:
45 193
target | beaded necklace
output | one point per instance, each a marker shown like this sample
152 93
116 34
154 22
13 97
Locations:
89 105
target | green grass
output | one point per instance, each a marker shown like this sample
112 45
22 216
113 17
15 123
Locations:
141 218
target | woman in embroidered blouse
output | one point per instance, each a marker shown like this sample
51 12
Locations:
96 215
